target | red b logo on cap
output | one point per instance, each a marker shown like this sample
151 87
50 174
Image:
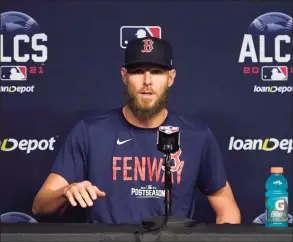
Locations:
147 46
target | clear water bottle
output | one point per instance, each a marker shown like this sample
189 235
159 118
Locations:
276 199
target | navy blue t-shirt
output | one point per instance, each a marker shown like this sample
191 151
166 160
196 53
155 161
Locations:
123 161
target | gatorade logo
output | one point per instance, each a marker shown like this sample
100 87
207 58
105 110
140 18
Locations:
27 145
269 144
280 205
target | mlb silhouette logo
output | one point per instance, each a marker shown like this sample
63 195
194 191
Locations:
169 129
274 73
128 33
13 73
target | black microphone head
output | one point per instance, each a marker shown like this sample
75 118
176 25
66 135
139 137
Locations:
168 139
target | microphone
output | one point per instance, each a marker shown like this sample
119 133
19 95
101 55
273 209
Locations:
168 142
168 139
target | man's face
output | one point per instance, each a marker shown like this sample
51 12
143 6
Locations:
147 89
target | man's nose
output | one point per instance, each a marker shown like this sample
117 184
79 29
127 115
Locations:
147 78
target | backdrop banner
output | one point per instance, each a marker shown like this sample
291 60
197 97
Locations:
61 60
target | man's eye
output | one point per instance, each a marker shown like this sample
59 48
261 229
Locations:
156 71
136 71
142 71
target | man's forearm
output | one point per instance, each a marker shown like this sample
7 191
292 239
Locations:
49 202
231 217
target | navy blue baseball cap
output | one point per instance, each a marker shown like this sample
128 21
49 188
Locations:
148 50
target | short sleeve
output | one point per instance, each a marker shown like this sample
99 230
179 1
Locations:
212 174
71 160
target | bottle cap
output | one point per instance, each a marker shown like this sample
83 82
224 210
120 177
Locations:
277 170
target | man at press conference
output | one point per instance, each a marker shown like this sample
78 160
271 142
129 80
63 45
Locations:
110 164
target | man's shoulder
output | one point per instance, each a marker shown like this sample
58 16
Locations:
100 118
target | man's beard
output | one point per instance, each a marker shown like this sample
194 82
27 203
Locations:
138 108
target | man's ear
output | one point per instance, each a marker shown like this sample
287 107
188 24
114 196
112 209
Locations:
172 75
123 75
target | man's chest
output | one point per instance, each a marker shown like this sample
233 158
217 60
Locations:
134 161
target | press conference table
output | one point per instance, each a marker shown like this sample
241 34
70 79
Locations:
96 232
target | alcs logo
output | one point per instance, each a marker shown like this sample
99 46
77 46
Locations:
268 34
27 145
20 33
23 50
266 50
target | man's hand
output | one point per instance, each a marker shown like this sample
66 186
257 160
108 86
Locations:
82 193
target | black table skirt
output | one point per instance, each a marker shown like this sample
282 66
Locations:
101 232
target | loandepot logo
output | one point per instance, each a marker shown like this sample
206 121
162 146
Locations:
27 145
268 144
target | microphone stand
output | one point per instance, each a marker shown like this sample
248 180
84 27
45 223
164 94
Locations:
168 187
167 220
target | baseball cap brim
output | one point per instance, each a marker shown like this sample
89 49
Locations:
149 63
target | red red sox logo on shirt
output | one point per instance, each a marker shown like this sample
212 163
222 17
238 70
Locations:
134 168
147 45
176 161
